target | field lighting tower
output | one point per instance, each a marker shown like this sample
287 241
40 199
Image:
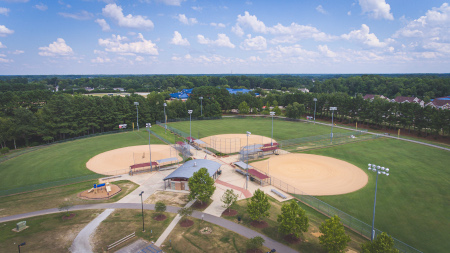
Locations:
165 118
142 203
315 101
380 171
137 114
332 109
190 129
271 141
201 106
246 182
148 126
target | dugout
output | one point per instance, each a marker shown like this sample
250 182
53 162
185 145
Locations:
178 180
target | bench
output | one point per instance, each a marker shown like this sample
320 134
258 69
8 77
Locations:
279 194
240 172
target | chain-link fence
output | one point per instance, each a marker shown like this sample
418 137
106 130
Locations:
349 221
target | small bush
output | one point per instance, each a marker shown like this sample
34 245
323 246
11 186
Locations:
4 150
255 242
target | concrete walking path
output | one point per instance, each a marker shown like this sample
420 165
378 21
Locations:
239 229
171 226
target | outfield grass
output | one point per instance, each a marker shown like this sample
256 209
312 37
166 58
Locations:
282 130
412 203
64 160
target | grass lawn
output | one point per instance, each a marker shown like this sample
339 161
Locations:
123 222
282 130
412 203
53 197
64 160
309 240
190 239
47 233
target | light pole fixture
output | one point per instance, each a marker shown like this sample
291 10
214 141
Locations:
271 140
148 126
142 203
20 245
315 101
190 126
165 118
201 106
332 109
380 171
137 114
246 182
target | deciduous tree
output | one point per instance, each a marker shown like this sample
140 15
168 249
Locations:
333 237
258 206
292 219
201 185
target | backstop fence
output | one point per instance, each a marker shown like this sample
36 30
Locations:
349 221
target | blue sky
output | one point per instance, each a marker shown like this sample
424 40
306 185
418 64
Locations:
220 37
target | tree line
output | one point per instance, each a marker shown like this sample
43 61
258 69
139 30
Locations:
39 116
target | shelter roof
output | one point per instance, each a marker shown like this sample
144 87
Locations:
190 167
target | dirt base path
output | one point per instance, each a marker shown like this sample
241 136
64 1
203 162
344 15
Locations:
119 160
313 174
232 143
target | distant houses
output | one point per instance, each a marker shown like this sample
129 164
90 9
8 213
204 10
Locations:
185 93
439 103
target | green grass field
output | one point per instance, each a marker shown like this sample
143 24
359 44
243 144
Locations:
64 160
282 130
412 203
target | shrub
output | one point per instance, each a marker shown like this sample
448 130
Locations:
4 150
255 242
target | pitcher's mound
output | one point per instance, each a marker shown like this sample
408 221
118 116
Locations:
313 174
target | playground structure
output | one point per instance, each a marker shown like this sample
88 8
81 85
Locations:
103 190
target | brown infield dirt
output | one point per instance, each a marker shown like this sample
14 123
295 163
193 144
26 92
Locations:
313 174
231 143
230 212
120 160
186 223
160 217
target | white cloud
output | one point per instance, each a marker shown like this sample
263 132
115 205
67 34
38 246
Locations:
197 8
103 24
115 12
16 1
116 45
172 2
82 15
295 51
57 48
187 21
256 43
254 58
5 31
41 7
376 9
325 51
139 58
349 13
290 34
1 45
18 52
64 4
219 25
363 36
179 40
222 41
4 60
320 9
101 60
4 11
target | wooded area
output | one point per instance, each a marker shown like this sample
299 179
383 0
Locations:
31 114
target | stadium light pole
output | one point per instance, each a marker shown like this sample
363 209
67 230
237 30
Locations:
142 203
148 126
165 118
190 130
332 109
271 140
137 114
315 101
246 182
201 106
379 170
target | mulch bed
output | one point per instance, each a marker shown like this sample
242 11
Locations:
254 251
291 239
259 224
230 212
71 216
160 217
200 206
186 223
